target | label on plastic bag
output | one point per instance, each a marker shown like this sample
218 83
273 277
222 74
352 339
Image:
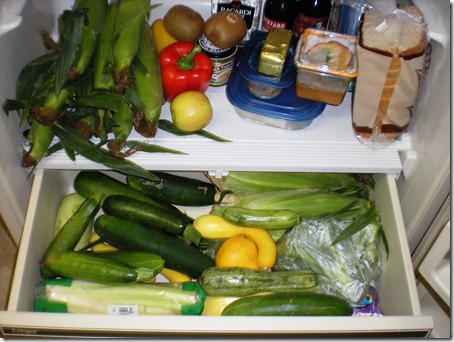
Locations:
123 309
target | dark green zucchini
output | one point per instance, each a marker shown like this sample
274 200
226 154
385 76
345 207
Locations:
289 304
94 267
149 214
88 182
175 189
132 236
237 281
151 261
69 235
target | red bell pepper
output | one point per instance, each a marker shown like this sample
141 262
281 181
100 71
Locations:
184 67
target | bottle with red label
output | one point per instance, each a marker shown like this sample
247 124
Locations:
279 13
311 13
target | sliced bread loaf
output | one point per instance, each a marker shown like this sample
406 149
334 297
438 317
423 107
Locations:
401 32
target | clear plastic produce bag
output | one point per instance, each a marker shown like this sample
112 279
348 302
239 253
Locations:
345 269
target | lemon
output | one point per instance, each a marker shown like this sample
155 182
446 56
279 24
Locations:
238 251
191 111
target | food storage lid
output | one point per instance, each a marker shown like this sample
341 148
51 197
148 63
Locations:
327 52
286 106
249 61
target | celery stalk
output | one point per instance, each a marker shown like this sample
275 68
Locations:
149 299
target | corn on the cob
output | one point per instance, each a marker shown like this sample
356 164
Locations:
104 58
129 20
147 84
306 203
72 26
47 112
122 127
95 16
40 137
245 182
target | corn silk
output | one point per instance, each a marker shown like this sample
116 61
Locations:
345 269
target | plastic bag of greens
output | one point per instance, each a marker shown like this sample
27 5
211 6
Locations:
344 269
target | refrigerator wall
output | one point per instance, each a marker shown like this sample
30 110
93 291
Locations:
426 149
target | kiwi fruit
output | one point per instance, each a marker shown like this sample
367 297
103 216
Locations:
225 29
184 24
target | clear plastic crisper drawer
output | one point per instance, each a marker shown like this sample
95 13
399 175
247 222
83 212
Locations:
395 286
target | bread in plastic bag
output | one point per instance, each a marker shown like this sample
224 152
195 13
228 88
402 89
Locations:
393 52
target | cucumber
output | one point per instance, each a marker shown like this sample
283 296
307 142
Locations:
175 189
151 215
257 218
132 236
289 304
70 234
88 182
151 261
95 268
67 208
238 281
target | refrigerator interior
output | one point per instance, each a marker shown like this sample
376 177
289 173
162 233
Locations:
328 144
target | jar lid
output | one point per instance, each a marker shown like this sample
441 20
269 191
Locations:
213 51
327 52
249 61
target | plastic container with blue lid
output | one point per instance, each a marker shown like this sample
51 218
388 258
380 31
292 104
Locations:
285 111
261 85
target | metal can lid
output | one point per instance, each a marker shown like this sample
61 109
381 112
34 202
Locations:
214 51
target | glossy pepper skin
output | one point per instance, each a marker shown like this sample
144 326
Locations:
184 67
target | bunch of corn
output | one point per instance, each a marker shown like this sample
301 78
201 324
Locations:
310 195
100 79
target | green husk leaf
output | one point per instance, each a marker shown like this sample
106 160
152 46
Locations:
34 75
169 127
12 105
95 18
359 223
385 241
151 148
100 100
72 23
104 58
71 139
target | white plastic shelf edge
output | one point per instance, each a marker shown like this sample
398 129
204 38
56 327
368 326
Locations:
328 144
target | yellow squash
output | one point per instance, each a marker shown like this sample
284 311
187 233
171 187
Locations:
102 246
174 276
212 226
